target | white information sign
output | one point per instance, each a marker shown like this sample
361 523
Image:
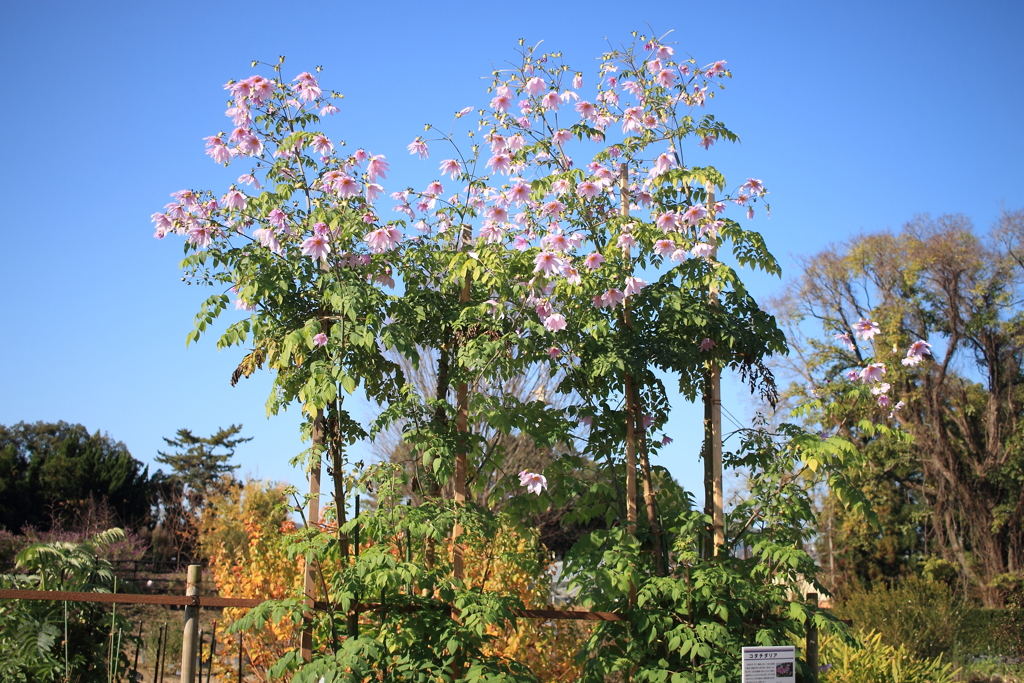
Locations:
769 664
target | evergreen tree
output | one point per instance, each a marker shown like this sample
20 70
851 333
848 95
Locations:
202 461
52 471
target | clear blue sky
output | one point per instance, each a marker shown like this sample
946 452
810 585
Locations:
857 115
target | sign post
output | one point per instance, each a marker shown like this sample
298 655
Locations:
775 664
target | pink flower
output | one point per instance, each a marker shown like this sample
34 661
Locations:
249 179
551 101
520 193
373 191
846 340
316 247
553 209
626 241
536 85
277 218
234 199
702 250
693 214
706 344
267 238
163 225
753 186
377 168
217 150
706 141
853 375
322 145
555 322
663 163
666 78
320 339
577 81
547 262
716 69
491 232
534 483
916 353
881 388
586 109
555 242
497 213
664 248
561 137
462 112
418 146
200 235
865 329
593 260
610 299
667 221
872 373
451 167
328 110
500 163
502 100
633 286
554 352
631 120
346 186
383 239
306 89
587 189
360 155
883 401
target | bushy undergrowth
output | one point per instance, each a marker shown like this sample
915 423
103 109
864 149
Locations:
926 617
874 661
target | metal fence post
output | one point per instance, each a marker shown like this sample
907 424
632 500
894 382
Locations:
190 635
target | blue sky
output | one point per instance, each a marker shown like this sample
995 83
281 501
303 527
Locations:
856 115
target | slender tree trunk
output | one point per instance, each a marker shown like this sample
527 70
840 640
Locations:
628 390
715 415
312 519
462 425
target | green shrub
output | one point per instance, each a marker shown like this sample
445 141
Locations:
32 632
871 661
924 616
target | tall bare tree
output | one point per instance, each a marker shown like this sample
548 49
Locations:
935 280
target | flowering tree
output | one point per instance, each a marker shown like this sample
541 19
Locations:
603 271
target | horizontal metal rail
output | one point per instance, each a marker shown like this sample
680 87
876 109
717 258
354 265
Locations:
203 601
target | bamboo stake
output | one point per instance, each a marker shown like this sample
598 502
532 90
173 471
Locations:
190 633
312 519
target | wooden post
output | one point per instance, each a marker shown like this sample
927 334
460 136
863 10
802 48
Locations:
812 639
312 520
190 634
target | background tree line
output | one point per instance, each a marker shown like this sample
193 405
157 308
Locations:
952 499
57 478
